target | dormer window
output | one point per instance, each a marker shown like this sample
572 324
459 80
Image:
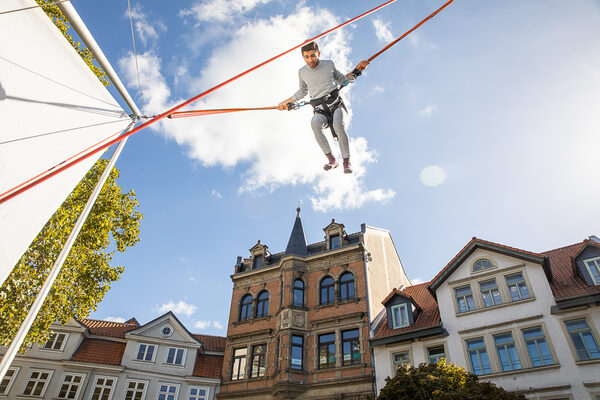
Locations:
334 242
57 342
258 261
400 315
481 264
593 267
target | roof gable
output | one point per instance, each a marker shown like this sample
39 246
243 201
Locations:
153 330
476 244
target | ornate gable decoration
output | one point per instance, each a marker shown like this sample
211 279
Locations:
167 326
259 253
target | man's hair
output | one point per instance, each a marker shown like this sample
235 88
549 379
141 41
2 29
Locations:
310 46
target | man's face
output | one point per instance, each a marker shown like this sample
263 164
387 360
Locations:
311 58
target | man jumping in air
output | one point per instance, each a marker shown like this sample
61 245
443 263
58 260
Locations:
322 81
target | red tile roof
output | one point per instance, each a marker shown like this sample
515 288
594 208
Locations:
212 343
428 317
208 366
100 351
566 283
108 328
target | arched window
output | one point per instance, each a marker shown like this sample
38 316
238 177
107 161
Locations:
481 264
346 286
327 291
262 305
299 293
246 307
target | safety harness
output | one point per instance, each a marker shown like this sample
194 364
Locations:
326 105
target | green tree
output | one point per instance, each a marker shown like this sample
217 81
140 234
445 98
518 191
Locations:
86 276
441 381
63 25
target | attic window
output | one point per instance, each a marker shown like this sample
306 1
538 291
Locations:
593 267
400 316
481 264
259 261
334 242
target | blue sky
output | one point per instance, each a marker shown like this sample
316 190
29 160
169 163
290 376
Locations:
483 123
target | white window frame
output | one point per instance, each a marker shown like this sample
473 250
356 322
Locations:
146 352
62 382
206 397
596 261
400 307
31 371
54 338
398 351
128 381
490 292
11 380
183 357
112 388
158 393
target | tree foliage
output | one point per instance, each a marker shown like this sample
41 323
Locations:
63 25
86 276
441 381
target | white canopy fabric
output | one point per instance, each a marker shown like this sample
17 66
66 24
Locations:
46 90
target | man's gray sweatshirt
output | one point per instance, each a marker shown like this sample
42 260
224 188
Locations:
318 81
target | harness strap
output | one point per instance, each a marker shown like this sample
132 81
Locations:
326 105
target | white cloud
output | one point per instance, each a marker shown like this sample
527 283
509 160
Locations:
427 110
416 281
115 319
202 325
216 194
377 89
383 30
220 10
274 148
180 307
433 175
146 31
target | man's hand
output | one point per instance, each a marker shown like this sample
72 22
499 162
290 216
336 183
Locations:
283 105
362 65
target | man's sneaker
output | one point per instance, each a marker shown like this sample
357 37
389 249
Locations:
329 166
347 166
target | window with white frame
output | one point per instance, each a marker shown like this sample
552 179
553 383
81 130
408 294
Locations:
583 339
435 353
507 352
401 360
37 382
135 390
593 267
198 393
481 264
464 298
537 347
167 391
146 352
103 388
517 287
399 315
175 356
489 293
56 342
8 380
478 357
70 386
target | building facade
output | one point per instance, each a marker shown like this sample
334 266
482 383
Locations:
528 322
299 320
101 360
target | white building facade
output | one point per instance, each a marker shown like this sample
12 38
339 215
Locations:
528 322
102 360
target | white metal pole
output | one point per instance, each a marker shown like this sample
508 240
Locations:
85 35
37 304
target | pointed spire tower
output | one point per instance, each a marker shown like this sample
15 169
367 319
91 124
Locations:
297 243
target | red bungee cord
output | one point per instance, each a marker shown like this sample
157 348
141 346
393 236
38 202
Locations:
195 113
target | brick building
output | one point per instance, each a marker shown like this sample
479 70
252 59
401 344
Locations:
103 360
299 320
